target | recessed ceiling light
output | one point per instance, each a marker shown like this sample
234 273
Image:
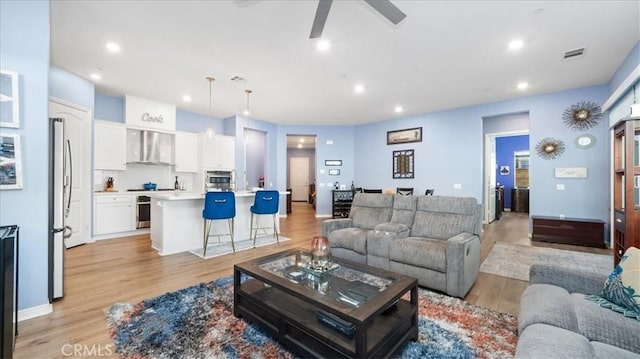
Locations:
323 45
96 76
358 88
112 47
398 109
516 44
523 85
186 98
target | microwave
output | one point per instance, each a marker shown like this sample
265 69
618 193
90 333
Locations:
219 180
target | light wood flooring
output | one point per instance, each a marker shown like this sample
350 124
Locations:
100 274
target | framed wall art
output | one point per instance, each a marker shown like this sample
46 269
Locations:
404 136
403 164
10 162
571 172
333 162
334 172
9 99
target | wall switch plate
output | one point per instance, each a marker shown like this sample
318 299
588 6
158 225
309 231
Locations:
457 186
329 142
560 187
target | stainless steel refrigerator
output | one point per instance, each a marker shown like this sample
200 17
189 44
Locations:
60 174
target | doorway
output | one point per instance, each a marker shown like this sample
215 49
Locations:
78 132
301 167
255 148
299 178
500 145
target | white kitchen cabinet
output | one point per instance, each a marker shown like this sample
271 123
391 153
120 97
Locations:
109 146
186 152
218 152
114 213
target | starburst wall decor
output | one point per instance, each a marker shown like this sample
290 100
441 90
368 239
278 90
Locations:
582 115
549 148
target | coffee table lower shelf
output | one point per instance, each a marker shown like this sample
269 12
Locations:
293 322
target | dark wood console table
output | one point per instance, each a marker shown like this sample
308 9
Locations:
576 231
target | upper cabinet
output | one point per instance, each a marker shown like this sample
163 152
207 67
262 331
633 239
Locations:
110 143
626 186
218 152
186 152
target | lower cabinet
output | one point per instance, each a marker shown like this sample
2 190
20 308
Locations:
576 231
114 214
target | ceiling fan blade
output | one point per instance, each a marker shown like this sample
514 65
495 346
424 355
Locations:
321 17
388 10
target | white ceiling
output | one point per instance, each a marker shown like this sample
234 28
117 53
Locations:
445 54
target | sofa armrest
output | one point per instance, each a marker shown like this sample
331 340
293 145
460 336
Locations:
331 225
463 263
574 280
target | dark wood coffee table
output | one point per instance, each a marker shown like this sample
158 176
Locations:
281 295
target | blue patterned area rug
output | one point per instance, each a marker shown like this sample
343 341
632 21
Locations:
198 322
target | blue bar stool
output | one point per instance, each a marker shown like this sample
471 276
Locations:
266 202
218 205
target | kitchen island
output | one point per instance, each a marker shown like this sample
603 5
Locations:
177 223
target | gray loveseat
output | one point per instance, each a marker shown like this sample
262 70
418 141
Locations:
433 238
557 321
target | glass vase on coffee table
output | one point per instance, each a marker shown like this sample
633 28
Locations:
320 254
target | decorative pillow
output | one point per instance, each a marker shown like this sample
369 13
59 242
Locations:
621 290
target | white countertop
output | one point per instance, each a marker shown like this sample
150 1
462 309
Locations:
188 195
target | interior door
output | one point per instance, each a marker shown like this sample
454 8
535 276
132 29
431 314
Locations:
77 130
299 178
490 206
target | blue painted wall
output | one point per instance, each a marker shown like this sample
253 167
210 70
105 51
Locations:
71 88
109 108
505 148
452 153
24 38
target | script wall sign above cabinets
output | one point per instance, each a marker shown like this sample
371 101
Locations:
146 114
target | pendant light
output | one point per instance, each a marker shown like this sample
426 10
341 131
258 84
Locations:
246 111
210 132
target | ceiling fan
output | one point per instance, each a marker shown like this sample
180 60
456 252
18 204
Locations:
384 7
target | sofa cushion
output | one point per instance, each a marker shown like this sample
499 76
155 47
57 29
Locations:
420 252
621 290
604 325
607 351
404 209
553 305
443 217
354 239
546 341
546 304
371 209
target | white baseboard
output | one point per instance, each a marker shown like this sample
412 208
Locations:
100 237
323 216
33 312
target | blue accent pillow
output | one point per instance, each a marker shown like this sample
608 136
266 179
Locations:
621 291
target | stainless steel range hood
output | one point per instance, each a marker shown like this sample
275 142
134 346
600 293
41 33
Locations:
149 147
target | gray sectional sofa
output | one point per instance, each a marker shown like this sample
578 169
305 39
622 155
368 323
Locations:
556 319
433 238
